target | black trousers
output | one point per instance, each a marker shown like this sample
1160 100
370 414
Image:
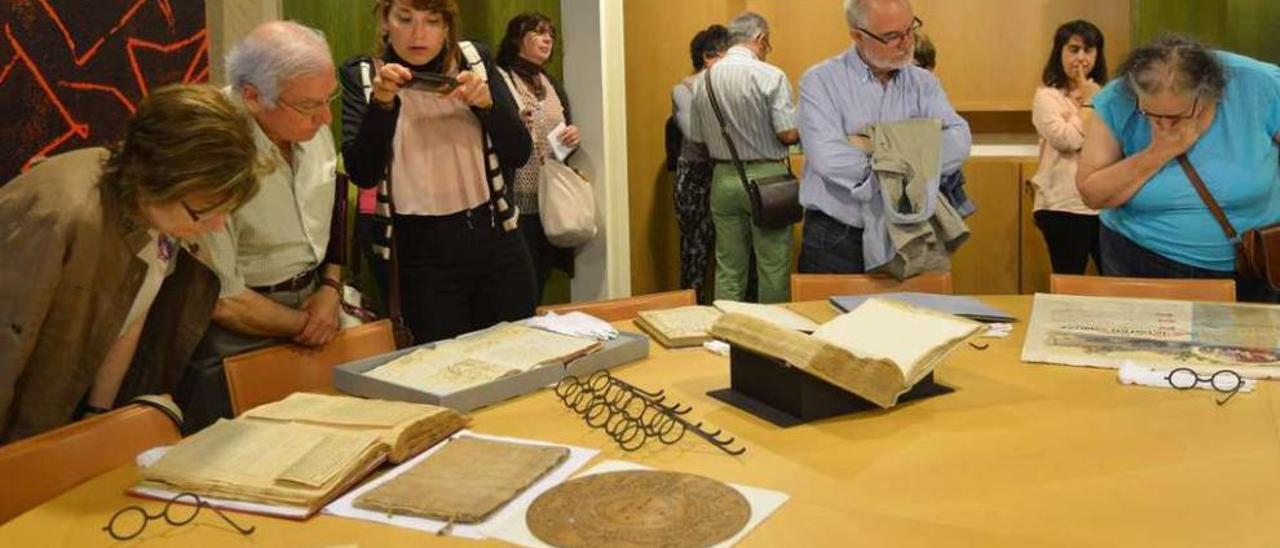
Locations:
1072 238
460 273
541 252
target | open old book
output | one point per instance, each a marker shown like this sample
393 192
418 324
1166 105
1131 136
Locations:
678 327
878 351
482 357
691 325
300 452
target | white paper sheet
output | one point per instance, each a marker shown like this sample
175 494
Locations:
344 506
556 139
512 527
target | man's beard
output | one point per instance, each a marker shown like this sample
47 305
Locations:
880 63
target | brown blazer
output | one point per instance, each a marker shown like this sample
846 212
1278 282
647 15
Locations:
69 272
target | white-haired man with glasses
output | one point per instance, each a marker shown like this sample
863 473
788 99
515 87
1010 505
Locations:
279 268
873 82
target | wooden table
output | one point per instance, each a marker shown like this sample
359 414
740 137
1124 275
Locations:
1019 455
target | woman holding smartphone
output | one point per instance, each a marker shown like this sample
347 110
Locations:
446 155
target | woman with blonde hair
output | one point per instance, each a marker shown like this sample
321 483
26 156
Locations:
95 270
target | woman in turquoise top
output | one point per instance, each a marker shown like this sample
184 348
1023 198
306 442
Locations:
1175 97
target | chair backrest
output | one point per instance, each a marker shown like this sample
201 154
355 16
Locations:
271 374
41 467
817 287
1148 288
625 309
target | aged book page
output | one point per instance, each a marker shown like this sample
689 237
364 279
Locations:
464 481
472 360
778 314
911 338
858 351
405 428
339 410
1109 331
675 327
278 463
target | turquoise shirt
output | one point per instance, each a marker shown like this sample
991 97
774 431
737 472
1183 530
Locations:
1237 158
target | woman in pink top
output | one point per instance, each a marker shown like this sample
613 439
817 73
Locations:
1075 71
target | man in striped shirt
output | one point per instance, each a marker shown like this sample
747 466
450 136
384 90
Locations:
755 99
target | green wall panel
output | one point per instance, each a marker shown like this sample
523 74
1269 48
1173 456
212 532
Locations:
1243 26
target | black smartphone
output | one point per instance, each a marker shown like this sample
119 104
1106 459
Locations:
432 82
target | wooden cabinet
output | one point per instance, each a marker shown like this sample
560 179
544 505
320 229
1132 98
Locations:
1005 253
988 263
1034 261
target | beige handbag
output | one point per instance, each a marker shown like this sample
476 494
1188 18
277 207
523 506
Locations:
566 202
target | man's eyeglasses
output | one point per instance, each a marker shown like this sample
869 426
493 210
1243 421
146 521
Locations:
312 108
1195 106
1225 381
893 38
129 522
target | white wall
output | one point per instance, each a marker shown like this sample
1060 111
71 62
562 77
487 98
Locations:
595 78
228 21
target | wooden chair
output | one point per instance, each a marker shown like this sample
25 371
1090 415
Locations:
41 467
817 287
271 374
625 309
1147 288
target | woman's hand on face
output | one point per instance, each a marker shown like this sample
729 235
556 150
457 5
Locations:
570 137
391 77
1171 141
472 90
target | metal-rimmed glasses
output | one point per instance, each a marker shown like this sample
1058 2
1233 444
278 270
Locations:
313 109
893 38
130 521
1195 108
1225 381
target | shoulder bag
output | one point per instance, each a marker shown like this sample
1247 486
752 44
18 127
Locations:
566 202
775 200
1257 250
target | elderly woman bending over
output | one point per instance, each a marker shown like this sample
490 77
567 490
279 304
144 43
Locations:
1173 98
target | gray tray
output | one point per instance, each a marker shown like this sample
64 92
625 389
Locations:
351 379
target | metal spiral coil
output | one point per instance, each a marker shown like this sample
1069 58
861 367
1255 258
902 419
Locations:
631 415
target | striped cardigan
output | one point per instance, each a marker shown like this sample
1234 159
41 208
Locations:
367 134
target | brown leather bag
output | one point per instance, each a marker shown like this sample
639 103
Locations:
775 200
1257 250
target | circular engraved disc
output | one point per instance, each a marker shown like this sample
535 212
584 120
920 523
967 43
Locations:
639 508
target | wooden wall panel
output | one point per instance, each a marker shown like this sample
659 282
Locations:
1035 267
657 38
987 264
990 52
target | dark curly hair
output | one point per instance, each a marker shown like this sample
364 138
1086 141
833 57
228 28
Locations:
1193 67
520 25
713 40
1054 76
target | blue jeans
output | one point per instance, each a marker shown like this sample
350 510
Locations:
1124 257
829 246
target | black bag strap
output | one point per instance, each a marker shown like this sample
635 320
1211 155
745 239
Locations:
724 131
1205 195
